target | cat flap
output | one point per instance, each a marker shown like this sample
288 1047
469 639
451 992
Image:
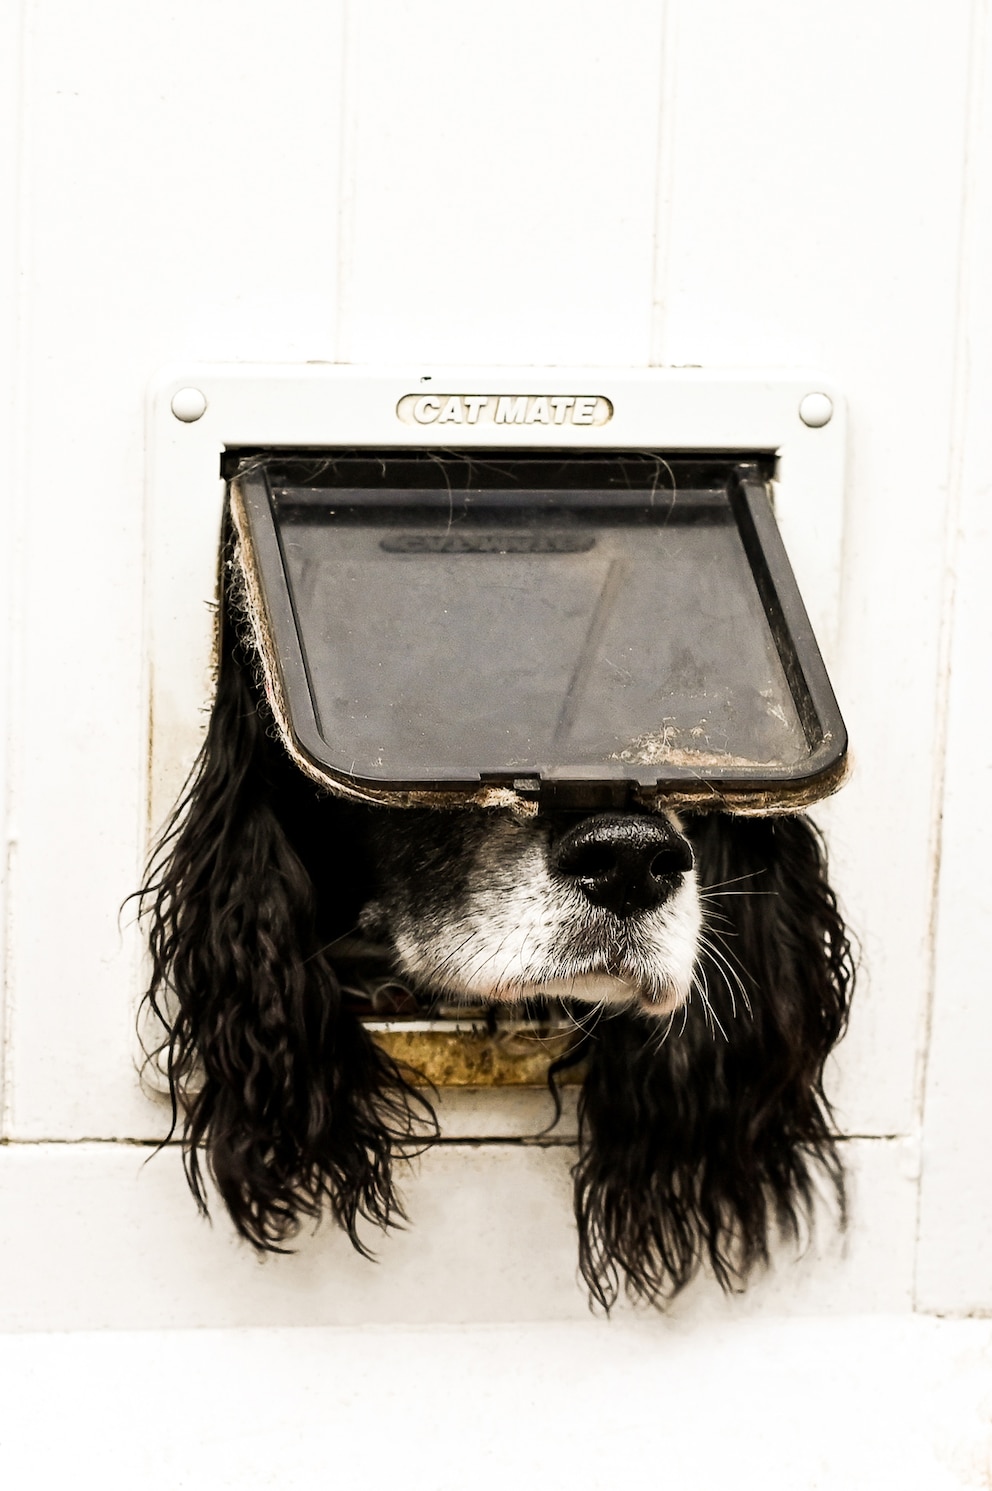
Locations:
574 628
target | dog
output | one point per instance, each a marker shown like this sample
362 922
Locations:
702 957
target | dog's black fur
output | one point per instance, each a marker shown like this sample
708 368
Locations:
700 1134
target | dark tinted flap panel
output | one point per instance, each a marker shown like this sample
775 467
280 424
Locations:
440 621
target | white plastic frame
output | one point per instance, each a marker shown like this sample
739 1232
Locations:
330 405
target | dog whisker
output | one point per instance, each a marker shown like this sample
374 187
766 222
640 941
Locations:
712 1019
722 957
719 895
596 1014
714 885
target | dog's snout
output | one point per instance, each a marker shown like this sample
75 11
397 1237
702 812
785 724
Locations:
624 862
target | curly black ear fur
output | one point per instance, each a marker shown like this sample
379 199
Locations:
697 1143
276 1085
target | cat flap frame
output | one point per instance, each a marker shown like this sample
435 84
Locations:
205 417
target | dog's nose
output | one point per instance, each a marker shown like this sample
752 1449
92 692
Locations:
623 862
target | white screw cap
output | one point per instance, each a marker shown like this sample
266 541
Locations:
189 405
816 410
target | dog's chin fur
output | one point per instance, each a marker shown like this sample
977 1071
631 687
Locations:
599 989
699 1141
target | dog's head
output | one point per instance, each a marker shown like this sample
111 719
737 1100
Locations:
500 907
713 945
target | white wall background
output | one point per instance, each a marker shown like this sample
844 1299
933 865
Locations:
546 181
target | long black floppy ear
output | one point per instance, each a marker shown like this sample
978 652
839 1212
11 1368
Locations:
700 1140
275 1084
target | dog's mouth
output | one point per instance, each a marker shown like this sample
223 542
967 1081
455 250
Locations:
372 974
643 963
